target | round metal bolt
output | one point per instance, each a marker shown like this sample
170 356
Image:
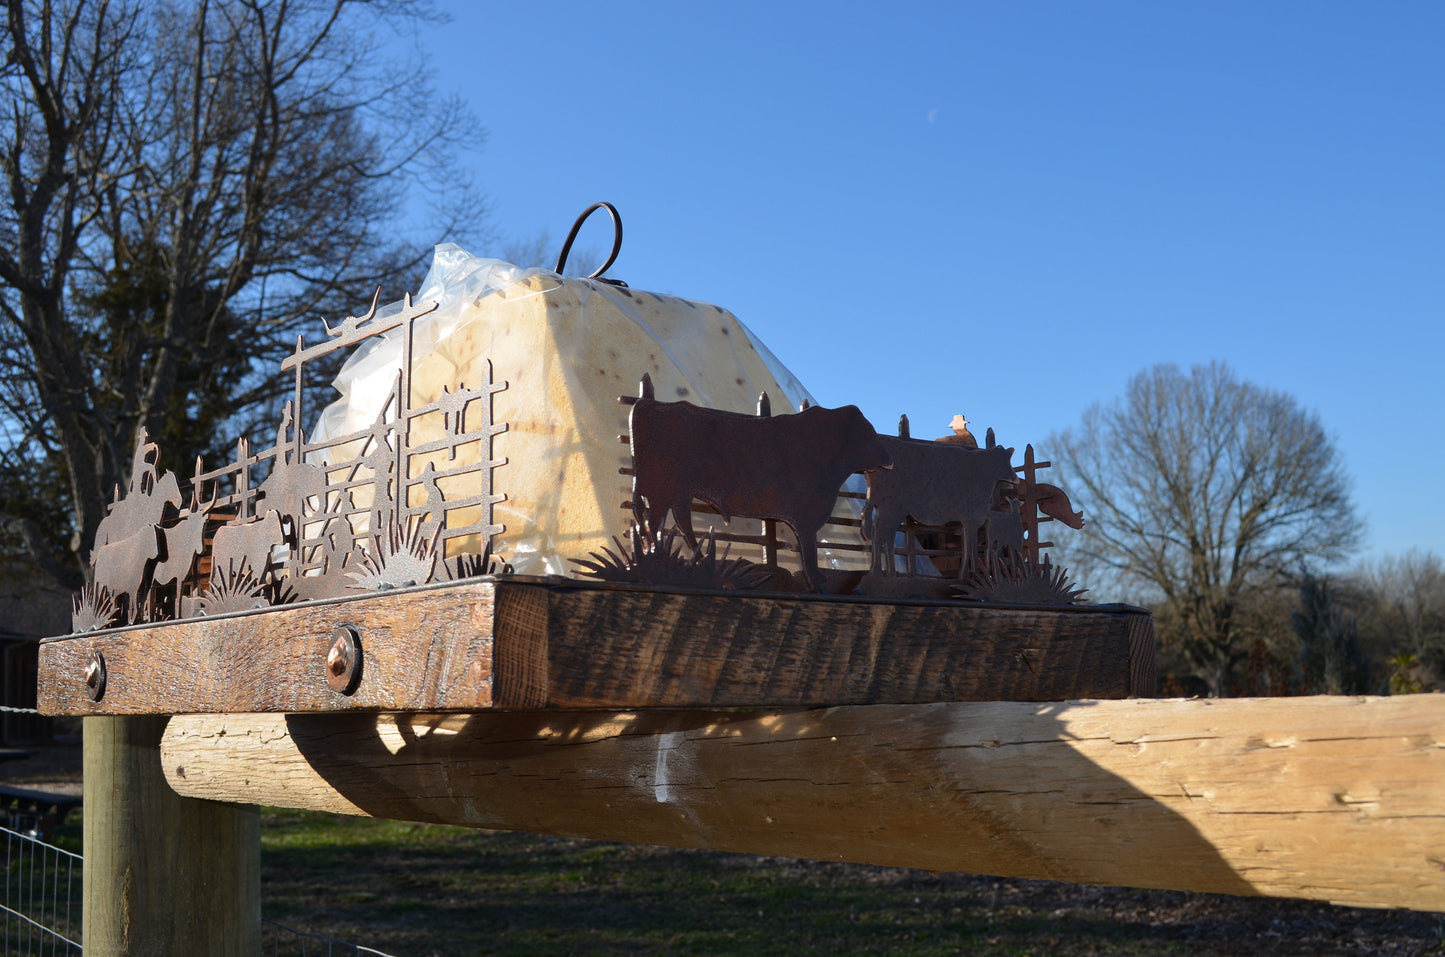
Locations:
95 676
343 660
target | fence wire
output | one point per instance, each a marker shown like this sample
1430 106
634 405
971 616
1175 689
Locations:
278 940
40 897
40 907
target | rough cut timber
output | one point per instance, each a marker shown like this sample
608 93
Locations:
558 643
164 875
1337 799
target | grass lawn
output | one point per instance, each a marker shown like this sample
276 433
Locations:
416 890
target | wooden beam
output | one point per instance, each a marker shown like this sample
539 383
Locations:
428 645
165 876
560 643
1331 798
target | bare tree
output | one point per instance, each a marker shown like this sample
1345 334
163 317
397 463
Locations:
62 79
538 250
1331 656
1404 605
187 186
1205 492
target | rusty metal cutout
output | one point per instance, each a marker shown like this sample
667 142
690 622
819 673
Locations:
786 468
967 517
961 435
1017 581
305 520
933 484
660 561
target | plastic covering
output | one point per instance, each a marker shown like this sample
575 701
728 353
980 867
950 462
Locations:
568 348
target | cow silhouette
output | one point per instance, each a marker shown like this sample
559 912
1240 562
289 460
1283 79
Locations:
1003 530
934 484
1053 502
248 545
786 467
123 569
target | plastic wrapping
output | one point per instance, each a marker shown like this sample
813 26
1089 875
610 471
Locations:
567 349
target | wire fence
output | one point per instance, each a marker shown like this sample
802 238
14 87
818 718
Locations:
40 897
278 940
40 907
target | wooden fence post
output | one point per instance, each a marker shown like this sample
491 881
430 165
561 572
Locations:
164 875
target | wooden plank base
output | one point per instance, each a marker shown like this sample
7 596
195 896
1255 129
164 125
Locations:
425 645
1330 798
559 643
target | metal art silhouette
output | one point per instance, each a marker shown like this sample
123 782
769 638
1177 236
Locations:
967 517
387 506
788 468
933 484
372 509
662 562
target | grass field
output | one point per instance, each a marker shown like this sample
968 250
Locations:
418 890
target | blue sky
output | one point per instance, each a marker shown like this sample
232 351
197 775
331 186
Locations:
1008 209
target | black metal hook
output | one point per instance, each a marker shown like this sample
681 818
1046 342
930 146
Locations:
616 242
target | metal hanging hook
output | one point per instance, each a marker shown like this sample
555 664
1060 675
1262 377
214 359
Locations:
616 242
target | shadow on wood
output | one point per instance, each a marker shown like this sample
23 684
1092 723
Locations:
917 787
1339 799
1327 798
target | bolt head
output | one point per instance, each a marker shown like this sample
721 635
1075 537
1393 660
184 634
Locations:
338 658
95 676
343 660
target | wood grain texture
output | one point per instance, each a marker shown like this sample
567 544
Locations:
1337 799
521 657
164 876
658 649
434 646
1143 682
565 644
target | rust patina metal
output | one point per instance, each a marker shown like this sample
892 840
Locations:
318 524
375 509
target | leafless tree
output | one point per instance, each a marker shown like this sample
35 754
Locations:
187 185
539 250
1404 606
1203 492
1332 658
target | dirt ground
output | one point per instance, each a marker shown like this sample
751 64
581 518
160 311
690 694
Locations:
51 767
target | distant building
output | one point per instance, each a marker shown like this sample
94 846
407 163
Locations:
31 607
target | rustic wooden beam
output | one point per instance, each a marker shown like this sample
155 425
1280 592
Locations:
430 645
1331 798
560 643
